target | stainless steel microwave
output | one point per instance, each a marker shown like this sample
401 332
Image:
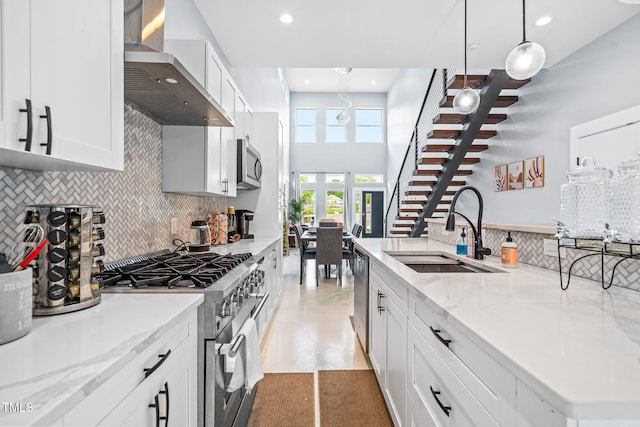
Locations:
249 166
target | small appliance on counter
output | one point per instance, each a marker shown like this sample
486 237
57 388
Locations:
63 272
199 236
244 219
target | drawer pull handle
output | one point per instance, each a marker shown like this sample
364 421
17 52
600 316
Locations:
445 409
436 332
163 357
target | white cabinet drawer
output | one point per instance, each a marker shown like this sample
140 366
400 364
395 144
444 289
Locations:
489 382
99 403
434 387
398 292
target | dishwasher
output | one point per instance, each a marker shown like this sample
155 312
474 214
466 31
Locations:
361 297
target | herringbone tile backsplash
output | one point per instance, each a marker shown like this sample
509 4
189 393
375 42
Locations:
137 211
530 251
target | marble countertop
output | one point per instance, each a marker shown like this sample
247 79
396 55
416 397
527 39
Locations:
579 349
65 357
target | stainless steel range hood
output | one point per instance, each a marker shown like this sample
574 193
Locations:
156 83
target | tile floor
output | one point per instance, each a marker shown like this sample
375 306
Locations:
311 329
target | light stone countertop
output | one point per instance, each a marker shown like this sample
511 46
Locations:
67 356
579 349
256 245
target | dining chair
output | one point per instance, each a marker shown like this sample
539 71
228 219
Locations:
306 253
329 250
356 230
327 224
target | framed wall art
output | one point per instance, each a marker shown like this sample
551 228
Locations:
500 178
516 175
534 172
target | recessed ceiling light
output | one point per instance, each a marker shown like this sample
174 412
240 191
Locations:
306 82
473 46
629 1
543 21
373 82
285 18
171 80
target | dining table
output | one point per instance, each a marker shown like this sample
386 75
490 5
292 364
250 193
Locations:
310 236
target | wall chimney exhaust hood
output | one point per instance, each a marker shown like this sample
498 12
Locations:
155 82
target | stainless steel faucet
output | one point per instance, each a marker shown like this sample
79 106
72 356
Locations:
478 250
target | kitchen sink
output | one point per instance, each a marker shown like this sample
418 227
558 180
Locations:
438 263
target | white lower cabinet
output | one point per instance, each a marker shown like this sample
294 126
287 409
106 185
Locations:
388 346
436 391
157 387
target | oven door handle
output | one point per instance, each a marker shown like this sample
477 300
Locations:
231 349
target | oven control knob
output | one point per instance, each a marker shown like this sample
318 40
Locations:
225 309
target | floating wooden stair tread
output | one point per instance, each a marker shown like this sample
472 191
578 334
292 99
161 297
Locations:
445 148
442 160
473 81
413 202
515 84
411 210
455 134
404 232
458 119
501 102
436 172
402 225
406 218
422 183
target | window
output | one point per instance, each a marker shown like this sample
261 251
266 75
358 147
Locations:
334 178
307 178
369 125
305 125
309 206
336 132
334 201
370 179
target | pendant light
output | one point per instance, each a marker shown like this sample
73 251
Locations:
467 100
526 59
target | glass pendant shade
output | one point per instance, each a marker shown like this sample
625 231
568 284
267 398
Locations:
466 101
525 60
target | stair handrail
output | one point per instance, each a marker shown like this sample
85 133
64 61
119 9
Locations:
414 143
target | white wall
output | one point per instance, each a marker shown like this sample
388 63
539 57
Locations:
404 101
336 157
599 79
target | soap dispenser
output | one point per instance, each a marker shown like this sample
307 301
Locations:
509 252
461 244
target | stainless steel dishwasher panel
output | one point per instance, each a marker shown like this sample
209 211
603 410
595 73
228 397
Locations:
361 298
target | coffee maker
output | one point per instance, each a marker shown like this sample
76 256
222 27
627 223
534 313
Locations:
244 218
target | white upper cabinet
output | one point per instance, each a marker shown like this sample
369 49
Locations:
62 79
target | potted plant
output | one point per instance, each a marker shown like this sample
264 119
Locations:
297 206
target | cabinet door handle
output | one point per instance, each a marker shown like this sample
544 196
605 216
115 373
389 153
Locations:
444 341
47 117
151 370
156 405
27 140
445 409
381 308
166 397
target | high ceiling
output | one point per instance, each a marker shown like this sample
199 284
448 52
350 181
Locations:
370 34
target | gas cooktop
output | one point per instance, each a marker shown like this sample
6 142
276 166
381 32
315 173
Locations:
169 270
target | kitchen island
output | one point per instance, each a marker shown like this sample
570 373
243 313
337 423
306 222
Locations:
73 369
546 356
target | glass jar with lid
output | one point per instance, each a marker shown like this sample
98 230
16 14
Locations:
584 200
624 204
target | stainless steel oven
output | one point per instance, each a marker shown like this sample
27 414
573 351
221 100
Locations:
249 165
232 285
229 408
